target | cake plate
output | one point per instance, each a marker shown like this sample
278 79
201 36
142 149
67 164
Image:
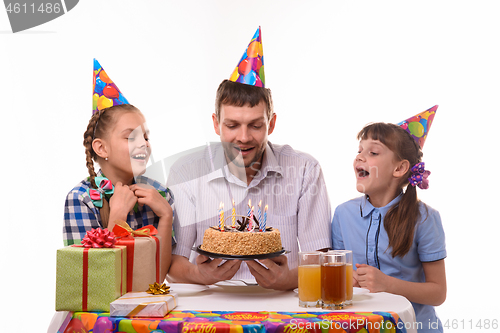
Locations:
236 257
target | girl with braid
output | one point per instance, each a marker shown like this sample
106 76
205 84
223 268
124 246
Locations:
117 139
397 241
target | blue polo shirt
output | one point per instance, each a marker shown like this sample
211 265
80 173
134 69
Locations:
359 226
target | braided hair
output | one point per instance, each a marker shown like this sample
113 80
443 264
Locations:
99 125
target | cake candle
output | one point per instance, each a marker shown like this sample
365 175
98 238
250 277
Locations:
250 222
218 214
249 206
221 215
259 212
263 224
233 216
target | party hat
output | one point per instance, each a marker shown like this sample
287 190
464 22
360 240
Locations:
250 68
419 125
105 92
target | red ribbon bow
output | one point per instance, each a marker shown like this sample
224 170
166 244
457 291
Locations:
98 238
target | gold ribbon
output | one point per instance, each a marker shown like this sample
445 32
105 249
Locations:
141 306
142 232
157 289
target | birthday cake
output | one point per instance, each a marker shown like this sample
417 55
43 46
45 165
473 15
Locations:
241 239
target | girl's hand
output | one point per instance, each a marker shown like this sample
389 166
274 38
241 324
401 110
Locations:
122 201
147 195
371 278
355 282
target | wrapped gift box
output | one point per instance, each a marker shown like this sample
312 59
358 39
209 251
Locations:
143 261
143 254
143 305
88 279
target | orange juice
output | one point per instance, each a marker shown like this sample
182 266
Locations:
309 283
348 283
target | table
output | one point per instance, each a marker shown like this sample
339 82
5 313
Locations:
233 307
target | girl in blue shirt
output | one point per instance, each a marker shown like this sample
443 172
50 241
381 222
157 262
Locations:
397 241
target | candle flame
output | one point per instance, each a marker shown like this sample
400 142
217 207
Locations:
233 202
249 202
260 203
265 208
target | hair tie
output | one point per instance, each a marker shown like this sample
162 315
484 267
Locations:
419 176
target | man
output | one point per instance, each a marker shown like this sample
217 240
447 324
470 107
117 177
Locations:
246 166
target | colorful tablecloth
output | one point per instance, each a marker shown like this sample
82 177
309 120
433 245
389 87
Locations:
237 322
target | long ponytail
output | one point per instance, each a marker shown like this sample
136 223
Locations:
400 222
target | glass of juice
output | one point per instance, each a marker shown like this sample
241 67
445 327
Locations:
348 275
333 280
309 279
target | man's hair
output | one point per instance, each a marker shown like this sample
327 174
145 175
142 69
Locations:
240 94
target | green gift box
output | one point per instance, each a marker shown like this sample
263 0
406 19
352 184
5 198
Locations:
88 279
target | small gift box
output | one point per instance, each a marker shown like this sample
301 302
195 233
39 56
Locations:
143 254
142 304
90 276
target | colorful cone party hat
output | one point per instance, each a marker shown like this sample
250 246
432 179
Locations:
419 126
250 68
105 92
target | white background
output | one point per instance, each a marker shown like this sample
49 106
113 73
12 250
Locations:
333 66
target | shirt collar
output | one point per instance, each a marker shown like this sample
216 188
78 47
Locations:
216 159
101 174
366 208
269 164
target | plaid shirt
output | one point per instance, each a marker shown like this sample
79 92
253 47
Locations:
80 214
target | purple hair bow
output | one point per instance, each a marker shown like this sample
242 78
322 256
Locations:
419 176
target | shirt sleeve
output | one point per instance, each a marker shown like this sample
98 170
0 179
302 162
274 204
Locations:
314 212
338 241
79 217
430 236
184 217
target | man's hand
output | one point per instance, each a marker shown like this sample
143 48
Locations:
277 275
212 271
